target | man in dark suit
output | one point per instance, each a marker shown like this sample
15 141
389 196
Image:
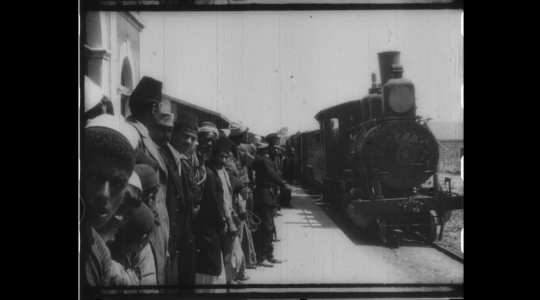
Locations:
265 201
145 105
180 205
210 224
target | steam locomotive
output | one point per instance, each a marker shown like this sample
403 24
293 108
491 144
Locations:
376 158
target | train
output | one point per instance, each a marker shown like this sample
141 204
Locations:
374 158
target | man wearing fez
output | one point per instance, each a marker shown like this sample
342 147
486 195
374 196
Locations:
145 105
265 201
180 206
107 162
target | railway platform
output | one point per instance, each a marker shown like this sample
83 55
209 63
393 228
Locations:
317 251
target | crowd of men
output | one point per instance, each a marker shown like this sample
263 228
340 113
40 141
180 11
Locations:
173 202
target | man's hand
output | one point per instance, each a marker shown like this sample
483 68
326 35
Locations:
288 187
196 209
245 192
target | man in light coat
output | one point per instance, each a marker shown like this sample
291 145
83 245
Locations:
145 105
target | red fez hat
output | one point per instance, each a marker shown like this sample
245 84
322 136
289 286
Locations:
222 144
148 87
187 119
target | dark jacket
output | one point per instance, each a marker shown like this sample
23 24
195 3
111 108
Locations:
181 216
209 223
179 200
266 179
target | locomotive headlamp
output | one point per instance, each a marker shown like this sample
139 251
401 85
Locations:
401 99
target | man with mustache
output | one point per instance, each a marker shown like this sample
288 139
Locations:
145 105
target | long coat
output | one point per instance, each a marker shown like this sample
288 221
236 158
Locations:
181 216
159 238
267 178
209 223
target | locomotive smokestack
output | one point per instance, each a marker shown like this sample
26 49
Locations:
386 60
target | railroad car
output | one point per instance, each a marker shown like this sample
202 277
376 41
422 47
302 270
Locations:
308 157
377 155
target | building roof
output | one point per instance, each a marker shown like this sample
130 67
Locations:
204 114
447 130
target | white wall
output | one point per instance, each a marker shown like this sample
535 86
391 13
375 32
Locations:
279 68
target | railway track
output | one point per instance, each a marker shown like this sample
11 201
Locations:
450 251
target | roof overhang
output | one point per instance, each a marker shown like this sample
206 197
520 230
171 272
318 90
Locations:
204 114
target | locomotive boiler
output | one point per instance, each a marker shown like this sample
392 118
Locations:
378 154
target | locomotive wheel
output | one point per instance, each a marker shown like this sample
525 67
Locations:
434 231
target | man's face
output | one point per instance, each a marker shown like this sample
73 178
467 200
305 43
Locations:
273 152
193 147
204 146
160 134
102 189
219 159
183 139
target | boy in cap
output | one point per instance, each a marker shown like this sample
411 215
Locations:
145 106
131 247
233 257
132 198
146 259
107 162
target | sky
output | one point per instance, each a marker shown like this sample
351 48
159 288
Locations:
271 69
